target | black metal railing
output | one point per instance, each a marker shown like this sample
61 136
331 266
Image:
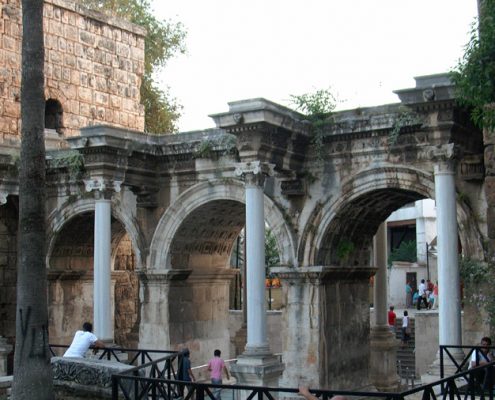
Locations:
137 357
133 385
451 353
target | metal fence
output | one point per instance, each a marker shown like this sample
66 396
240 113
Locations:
162 384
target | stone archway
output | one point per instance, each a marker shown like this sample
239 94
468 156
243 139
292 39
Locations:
189 275
332 285
70 271
200 194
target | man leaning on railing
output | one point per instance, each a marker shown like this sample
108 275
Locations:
479 357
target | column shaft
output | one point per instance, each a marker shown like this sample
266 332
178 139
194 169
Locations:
380 292
255 248
449 319
103 321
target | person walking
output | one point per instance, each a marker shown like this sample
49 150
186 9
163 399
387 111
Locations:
185 372
391 319
405 328
422 295
216 366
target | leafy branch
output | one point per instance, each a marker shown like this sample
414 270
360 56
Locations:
317 107
474 75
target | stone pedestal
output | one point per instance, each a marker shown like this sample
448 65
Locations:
383 359
5 350
261 370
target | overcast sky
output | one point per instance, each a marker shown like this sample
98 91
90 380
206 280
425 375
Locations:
361 49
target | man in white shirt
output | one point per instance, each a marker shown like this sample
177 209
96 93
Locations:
481 357
422 295
82 341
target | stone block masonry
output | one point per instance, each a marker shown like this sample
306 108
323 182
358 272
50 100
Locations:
93 66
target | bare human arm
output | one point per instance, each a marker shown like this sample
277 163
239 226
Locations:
226 372
304 391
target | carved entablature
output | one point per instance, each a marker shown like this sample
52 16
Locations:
293 187
472 168
147 197
151 277
319 275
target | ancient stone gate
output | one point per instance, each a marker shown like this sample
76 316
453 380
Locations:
168 210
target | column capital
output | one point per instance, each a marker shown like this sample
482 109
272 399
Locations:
103 188
445 158
254 172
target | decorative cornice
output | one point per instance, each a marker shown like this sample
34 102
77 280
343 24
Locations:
164 275
322 274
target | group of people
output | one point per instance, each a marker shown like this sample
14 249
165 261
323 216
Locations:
427 295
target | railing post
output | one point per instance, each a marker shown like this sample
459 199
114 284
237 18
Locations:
442 386
115 388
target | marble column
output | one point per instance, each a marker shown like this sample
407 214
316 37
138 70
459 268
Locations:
257 365
103 321
449 310
383 344
449 318
102 292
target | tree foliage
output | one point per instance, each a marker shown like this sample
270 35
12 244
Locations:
164 39
474 76
317 107
407 252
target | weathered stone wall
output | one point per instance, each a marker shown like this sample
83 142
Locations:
93 67
127 309
8 277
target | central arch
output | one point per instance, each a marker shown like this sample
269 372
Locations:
171 232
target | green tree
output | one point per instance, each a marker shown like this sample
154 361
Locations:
474 76
272 257
164 39
317 107
33 373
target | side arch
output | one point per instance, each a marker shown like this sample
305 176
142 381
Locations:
202 194
60 216
382 190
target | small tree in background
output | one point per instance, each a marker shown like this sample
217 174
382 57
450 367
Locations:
164 39
474 76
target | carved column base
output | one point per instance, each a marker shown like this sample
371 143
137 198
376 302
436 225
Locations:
257 371
383 359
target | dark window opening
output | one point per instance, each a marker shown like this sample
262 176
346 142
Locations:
54 115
